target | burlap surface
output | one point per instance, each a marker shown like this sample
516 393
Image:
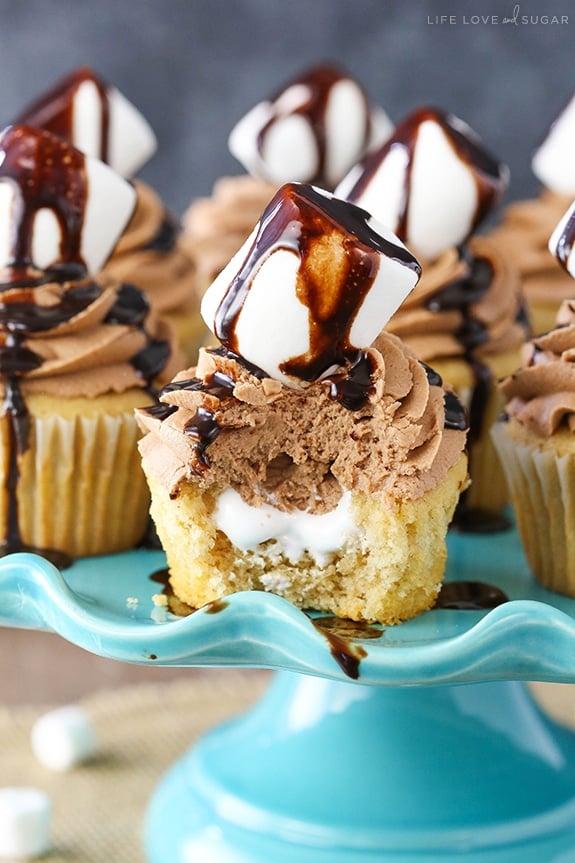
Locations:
99 808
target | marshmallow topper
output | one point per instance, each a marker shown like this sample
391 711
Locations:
552 162
311 288
313 130
95 118
433 182
562 241
60 209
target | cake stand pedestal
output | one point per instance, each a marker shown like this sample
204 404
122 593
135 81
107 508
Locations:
328 772
421 745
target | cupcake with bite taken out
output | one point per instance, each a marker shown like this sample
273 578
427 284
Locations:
536 441
97 119
524 231
77 355
312 130
433 182
295 458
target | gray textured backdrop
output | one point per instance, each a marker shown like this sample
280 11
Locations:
195 66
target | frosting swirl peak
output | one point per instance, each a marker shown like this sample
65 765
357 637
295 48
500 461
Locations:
220 425
541 394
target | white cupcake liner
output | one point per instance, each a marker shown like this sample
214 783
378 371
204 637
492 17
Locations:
81 488
542 487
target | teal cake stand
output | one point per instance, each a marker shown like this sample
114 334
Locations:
418 743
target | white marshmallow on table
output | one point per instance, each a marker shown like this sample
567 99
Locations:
85 99
420 171
109 204
64 738
25 815
562 241
274 325
277 139
553 163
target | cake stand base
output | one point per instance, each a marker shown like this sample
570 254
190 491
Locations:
326 772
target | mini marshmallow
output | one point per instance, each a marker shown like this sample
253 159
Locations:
96 118
57 205
562 241
25 815
432 182
64 738
313 285
313 130
552 162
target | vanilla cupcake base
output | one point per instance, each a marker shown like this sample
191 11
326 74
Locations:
389 570
81 489
541 477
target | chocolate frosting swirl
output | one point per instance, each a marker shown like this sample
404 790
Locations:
523 236
466 301
215 227
87 338
541 394
151 254
222 425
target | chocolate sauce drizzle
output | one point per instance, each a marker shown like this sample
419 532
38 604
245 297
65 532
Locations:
347 655
203 427
165 239
294 220
353 387
565 242
46 173
461 295
319 82
488 174
470 596
54 110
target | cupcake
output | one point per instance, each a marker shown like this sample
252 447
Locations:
432 183
293 458
77 355
536 440
97 119
313 129
527 225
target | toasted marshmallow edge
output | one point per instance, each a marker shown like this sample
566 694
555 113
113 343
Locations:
553 163
391 285
562 241
25 815
64 738
346 119
111 202
294 532
443 195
